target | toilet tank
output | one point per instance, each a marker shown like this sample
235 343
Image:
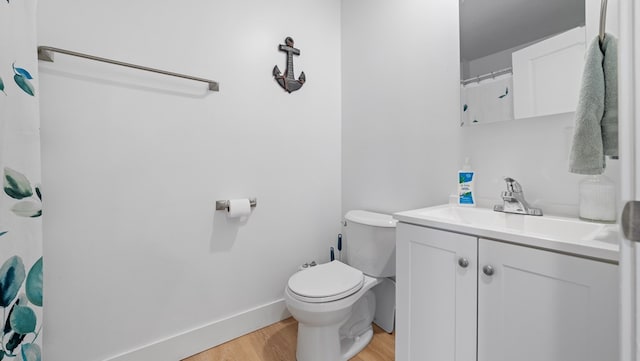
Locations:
370 243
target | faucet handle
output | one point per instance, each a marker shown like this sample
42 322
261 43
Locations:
512 185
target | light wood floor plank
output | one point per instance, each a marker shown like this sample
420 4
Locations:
278 343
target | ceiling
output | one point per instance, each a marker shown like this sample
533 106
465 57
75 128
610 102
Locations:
490 26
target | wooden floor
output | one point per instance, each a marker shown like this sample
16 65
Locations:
278 343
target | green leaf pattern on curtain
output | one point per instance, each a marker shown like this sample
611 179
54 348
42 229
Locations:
21 263
31 352
21 320
17 186
11 277
34 284
22 77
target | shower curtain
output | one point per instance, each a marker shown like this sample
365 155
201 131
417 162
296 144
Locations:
490 100
21 199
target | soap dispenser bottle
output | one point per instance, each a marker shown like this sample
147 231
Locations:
466 178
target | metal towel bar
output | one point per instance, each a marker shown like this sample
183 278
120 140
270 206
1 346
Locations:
603 20
45 53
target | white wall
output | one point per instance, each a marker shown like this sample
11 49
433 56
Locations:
400 85
535 152
134 162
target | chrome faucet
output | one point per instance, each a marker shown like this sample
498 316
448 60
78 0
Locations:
514 201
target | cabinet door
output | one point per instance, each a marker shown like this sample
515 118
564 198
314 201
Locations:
541 305
546 75
436 296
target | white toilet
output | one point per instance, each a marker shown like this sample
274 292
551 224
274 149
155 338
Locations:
333 302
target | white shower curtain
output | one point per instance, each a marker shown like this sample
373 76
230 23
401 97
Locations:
490 100
21 200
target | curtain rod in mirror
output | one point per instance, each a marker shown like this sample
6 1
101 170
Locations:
493 74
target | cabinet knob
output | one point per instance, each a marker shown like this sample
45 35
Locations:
463 262
488 270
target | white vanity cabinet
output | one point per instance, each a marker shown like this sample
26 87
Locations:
510 302
539 305
436 293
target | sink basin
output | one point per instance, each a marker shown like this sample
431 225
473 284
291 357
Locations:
545 226
557 233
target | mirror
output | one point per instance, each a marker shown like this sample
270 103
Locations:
520 58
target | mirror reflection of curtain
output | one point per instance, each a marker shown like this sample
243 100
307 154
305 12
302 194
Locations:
20 201
487 101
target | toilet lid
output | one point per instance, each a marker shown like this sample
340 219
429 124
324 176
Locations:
326 282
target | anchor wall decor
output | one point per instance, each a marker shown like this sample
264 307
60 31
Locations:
287 80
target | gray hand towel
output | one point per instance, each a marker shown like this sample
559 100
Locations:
596 126
609 121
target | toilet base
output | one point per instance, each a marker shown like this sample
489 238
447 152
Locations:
338 341
322 344
351 346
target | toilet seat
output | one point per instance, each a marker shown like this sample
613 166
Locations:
326 282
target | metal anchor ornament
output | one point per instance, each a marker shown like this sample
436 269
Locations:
287 80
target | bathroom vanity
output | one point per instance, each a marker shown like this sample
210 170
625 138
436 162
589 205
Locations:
473 284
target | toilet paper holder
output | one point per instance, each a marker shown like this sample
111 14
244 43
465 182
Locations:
224 205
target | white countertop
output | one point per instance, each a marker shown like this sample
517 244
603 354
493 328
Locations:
561 234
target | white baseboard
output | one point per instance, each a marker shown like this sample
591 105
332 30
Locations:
192 342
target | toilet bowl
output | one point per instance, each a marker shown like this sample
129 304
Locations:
334 319
333 302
